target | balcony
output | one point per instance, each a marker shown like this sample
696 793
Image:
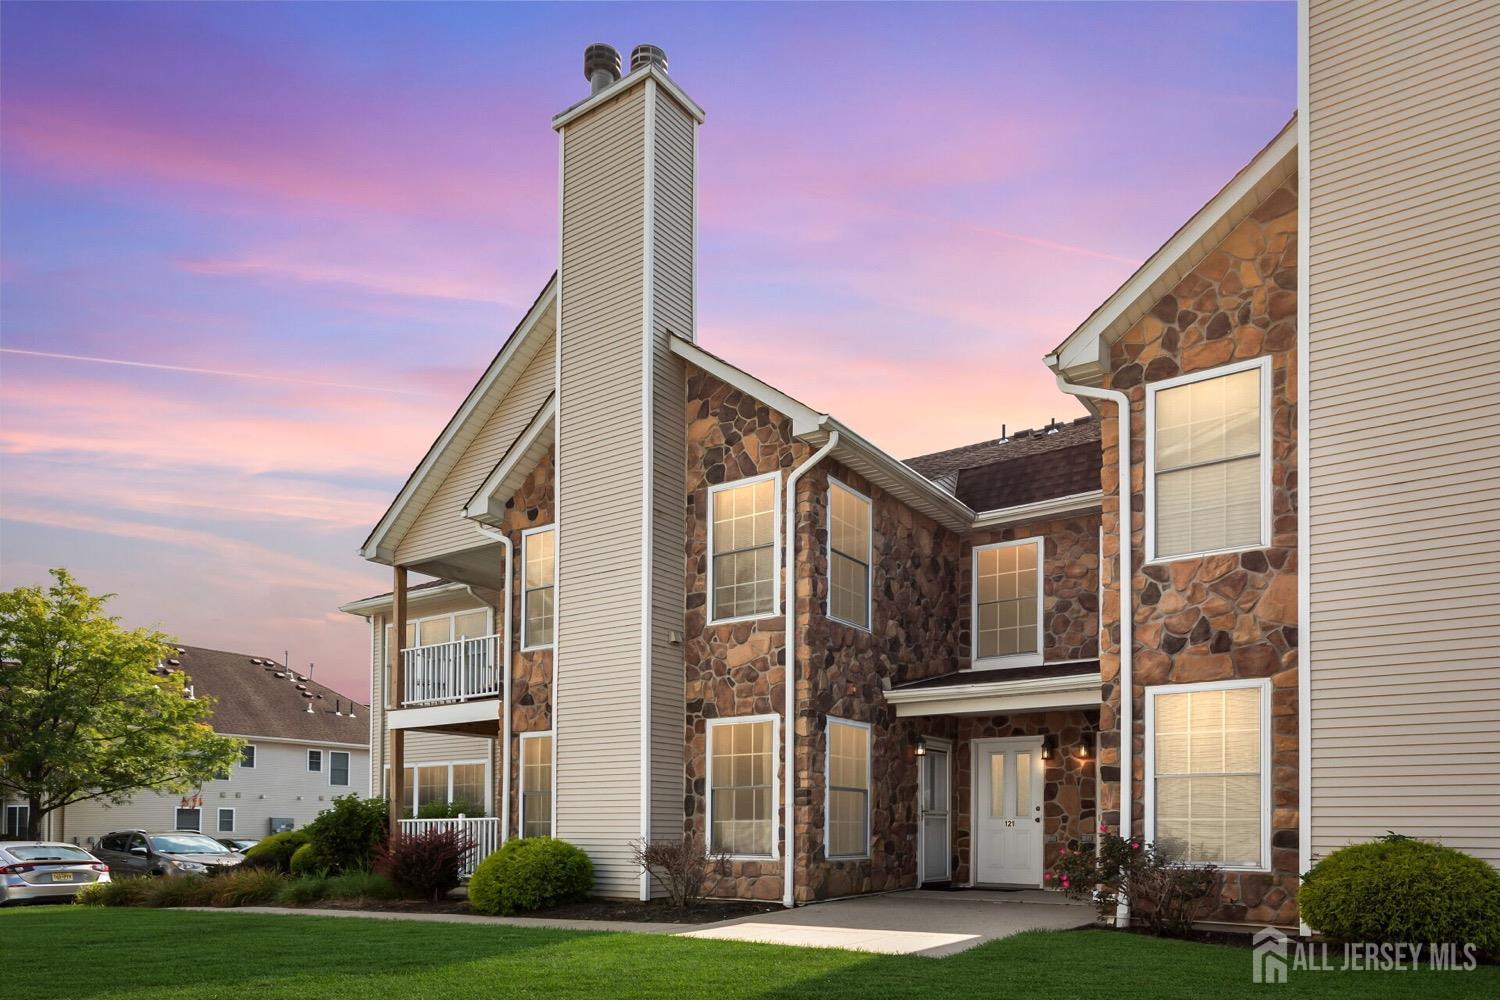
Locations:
450 672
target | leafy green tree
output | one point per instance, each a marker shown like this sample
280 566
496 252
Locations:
86 710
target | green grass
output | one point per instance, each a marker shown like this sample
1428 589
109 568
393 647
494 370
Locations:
111 954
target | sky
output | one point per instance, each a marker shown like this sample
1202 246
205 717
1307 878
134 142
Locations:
252 256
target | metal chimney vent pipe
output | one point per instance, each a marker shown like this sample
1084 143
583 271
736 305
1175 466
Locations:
644 55
601 66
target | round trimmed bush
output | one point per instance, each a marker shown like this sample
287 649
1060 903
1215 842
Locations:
1398 889
530 873
304 861
275 852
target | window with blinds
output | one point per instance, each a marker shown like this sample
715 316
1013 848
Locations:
1206 440
742 540
848 789
742 806
539 578
1209 794
848 555
536 785
1007 605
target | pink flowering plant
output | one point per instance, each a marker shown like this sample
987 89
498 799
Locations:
1165 894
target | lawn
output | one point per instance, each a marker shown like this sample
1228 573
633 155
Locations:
105 954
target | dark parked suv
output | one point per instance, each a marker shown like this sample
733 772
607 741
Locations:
142 852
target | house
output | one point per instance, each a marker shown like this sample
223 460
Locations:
983 665
305 744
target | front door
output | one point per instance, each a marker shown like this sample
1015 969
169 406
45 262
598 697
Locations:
1008 812
934 798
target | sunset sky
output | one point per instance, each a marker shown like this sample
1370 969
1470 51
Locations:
252 256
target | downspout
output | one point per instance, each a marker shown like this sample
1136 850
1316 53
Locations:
505 543
1127 622
789 718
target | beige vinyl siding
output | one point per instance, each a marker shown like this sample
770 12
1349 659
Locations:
1403 422
672 270
441 528
599 468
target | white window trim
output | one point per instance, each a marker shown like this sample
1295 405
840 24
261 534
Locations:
869 553
254 756
1263 686
1263 364
525 538
349 770
708 783
1014 659
775 610
219 820
521 785
411 802
178 829
828 785
320 768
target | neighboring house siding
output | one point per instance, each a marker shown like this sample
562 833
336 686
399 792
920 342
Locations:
441 528
1404 438
600 485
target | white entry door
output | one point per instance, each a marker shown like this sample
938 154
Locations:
1008 812
934 798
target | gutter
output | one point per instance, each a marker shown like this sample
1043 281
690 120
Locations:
505 543
1127 638
789 679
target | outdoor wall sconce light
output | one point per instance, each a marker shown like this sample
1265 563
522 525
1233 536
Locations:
1049 747
921 747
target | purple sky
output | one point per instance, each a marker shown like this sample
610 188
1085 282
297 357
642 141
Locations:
309 227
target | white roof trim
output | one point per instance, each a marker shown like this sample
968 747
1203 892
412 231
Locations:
804 418
1053 507
379 547
366 607
1082 355
1074 690
487 505
631 79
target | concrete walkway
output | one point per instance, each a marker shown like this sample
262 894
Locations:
930 924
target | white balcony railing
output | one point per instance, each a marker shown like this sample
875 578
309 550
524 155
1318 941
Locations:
483 831
450 671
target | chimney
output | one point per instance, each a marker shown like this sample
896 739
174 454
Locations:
601 66
646 55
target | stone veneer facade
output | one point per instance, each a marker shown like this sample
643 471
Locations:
1226 616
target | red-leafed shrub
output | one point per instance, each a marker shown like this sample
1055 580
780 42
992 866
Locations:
425 864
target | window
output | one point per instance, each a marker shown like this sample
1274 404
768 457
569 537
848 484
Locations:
742 786
848 555
247 755
226 820
468 788
189 819
743 522
315 760
1006 614
848 834
432 786
536 785
442 783
17 822
1208 746
338 767
539 562
1207 456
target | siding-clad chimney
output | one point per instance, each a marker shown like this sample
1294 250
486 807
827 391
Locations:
625 286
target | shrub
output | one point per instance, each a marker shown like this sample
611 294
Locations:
425 864
177 890
1165 894
345 836
248 887
681 867
126 891
1399 889
449 810
362 886
275 852
305 861
303 891
529 874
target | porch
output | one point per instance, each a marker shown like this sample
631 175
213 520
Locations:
482 831
451 687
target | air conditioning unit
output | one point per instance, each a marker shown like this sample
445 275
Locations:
282 824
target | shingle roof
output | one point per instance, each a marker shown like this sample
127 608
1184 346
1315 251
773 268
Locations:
1029 465
250 700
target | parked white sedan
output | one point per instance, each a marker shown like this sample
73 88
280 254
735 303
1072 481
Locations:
34 871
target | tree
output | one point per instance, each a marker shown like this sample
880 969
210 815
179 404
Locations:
88 709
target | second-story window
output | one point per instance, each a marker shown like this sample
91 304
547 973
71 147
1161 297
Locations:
1006 618
539 562
848 555
742 527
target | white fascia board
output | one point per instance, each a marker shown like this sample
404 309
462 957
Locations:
894 476
1074 691
428 716
1083 354
379 547
263 740
1075 503
487 505
367 607
650 72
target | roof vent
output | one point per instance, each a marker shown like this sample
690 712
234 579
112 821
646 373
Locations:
255 660
601 66
647 55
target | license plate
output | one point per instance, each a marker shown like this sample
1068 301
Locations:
62 876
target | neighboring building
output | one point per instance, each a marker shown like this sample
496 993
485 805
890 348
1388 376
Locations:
305 744
649 524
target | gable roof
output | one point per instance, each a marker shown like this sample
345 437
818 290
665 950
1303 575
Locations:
460 431
1081 358
1030 468
250 700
